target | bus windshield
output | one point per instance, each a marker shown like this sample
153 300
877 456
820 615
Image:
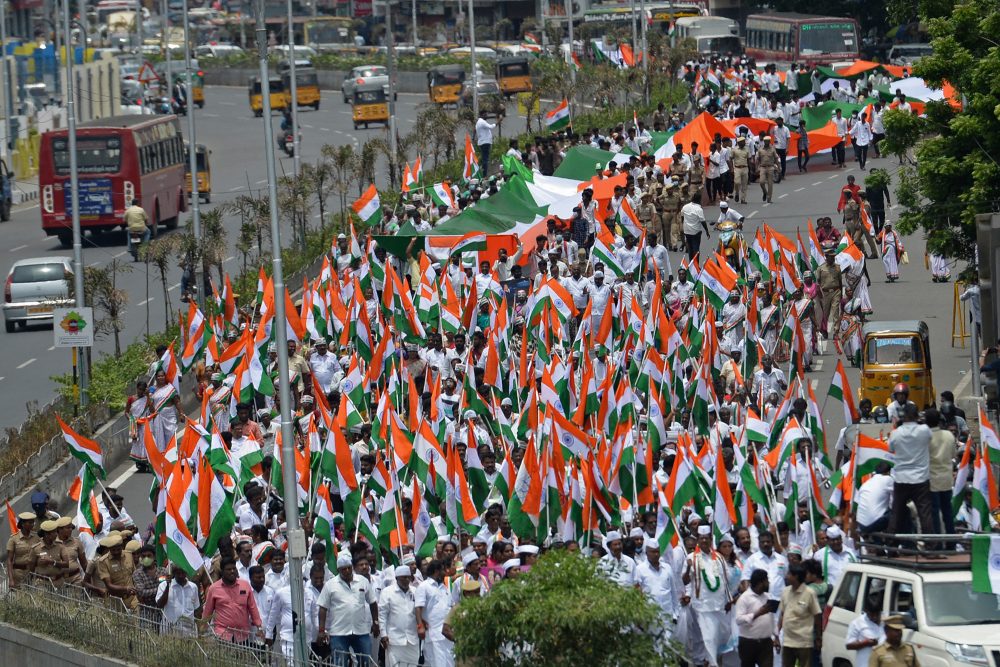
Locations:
320 33
514 69
819 38
720 45
94 155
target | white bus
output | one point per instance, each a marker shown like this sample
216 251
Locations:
711 34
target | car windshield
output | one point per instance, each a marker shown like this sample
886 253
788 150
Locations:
895 350
955 603
37 273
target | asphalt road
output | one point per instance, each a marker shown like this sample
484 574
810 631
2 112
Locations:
229 129
798 198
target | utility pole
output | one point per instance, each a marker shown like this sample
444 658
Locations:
416 39
5 87
296 536
138 25
472 56
572 63
74 193
192 158
166 45
294 92
390 48
645 54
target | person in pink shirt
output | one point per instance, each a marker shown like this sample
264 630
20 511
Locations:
230 605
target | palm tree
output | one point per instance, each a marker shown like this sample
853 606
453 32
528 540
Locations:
366 162
343 162
319 178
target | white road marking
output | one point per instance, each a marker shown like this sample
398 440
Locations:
210 115
20 247
261 182
119 254
813 384
308 127
833 176
227 104
52 347
145 301
782 196
817 363
173 287
230 258
325 129
122 478
962 384
29 361
799 189
751 214
818 183
1 378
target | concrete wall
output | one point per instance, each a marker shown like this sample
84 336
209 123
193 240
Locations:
18 647
408 82
98 89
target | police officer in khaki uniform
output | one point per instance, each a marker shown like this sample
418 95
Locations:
831 283
19 547
115 569
647 213
74 553
678 167
767 161
671 200
741 169
47 556
893 652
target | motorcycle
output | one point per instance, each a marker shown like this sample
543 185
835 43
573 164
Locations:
134 241
731 243
286 142
160 105
179 107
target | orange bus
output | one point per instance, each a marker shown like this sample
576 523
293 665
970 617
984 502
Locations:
790 37
118 159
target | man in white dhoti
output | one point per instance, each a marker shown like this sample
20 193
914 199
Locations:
734 314
708 588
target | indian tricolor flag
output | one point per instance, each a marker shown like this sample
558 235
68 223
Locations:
558 118
471 242
868 455
471 168
180 545
718 279
841 391
757 429
83 449
984 492
368 207
986 564
441 194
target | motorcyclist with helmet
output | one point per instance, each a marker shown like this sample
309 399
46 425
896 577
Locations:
900 399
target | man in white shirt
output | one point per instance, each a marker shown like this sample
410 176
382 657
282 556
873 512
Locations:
263 595
344 607
840 123
782 135
279 620
504 264
658 257
865 632
834 557
323 366
578 286
398 621
276 575
628 255
693 223
600 295
755 620
768 378
178 599
484 139
769 560
656 580
615 565
432 602
861 133
874 500
728 214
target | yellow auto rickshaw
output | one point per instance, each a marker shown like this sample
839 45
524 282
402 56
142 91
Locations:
894 352
514 75
444 83
306 87
204 172
370 105
277 92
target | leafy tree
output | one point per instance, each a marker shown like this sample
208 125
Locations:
293 207
213 243
159 252
100 285
956 175
562 612
343 162
319 178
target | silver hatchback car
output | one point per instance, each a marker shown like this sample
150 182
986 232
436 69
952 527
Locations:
34 288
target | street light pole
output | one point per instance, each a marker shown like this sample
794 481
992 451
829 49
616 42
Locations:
166 45
645 54
416 40
472 56
296 536
74 193
572 63
390 59
192 158
5 86
295 93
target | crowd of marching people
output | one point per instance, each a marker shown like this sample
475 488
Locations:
457 415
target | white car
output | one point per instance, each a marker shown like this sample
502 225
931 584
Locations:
362 76
217 51
34 288
949 624
909 54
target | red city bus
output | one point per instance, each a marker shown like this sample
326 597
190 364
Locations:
789 37
118 159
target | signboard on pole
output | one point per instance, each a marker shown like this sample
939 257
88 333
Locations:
147 74
73 327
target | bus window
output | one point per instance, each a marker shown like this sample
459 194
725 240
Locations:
94 155
831 37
